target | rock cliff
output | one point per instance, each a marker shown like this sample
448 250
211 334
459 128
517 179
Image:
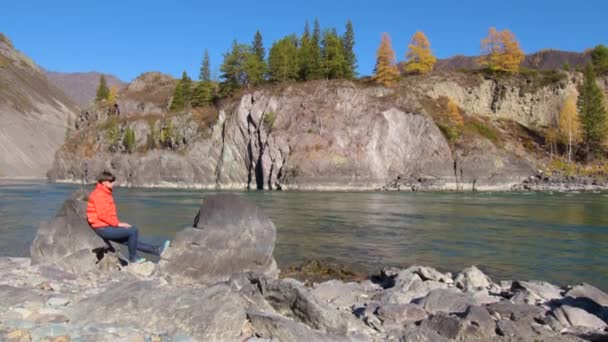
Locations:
326 135
34 115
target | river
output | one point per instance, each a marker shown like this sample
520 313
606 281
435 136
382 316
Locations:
557 237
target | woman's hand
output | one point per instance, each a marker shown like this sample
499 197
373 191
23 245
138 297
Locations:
124 225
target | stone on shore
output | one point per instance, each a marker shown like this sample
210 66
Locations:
472 278
68 242
214 313
230 235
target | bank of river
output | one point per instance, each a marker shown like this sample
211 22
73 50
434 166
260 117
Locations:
557 237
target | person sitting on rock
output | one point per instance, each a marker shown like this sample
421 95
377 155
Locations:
101 214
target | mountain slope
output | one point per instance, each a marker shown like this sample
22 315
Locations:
81 87
542 60
33 113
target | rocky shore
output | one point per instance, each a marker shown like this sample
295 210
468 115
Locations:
219 282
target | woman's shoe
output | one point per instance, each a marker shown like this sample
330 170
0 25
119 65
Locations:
138 260
164 247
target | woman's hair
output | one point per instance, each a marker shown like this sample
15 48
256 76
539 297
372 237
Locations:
106 176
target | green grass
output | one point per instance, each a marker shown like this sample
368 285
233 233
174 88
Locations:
486 131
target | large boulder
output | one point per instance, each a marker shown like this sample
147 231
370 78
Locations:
67 241
230 235
214 313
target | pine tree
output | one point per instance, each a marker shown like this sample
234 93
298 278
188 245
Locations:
186 89
205 73
258 46
316 63
332 53
102 89
255 69
348 43
282 60
501 51
599 58
592 113
385 72
202 94
419 57
233 68
177 103
569 124
304 55
255 62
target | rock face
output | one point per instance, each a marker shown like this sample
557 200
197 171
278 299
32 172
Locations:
315 135
67 240
230 235
34 115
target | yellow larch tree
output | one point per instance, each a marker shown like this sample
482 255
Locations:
112 95
386 71
419 58
500 51
569 125
454 113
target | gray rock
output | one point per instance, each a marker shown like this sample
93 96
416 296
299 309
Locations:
414 333
516 312
340 294
408 289
290 298
230 235
445 325
67 241
479 323
447 301
573 316
590 292
429 273
272 326
540 289
11 296
401 313
214 313
472 278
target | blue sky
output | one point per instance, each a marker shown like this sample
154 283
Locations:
128 37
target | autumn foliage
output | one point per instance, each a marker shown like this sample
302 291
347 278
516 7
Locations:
500 51
569 124
419 57
386 71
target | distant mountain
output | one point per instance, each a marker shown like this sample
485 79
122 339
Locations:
542 60
81 87
34 114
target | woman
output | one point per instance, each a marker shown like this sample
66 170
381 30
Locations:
101 214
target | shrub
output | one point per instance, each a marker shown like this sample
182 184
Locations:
113 135
129 140
269 119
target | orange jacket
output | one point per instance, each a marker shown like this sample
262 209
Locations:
101 210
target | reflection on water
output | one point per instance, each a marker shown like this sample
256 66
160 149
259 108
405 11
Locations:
556 237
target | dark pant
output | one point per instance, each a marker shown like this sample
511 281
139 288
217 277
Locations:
129 237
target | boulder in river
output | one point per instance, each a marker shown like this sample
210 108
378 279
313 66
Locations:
230 235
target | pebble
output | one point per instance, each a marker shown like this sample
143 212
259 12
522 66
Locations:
51 330
58 302
18 324
18 335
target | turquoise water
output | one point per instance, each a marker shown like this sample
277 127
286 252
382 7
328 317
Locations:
561 238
